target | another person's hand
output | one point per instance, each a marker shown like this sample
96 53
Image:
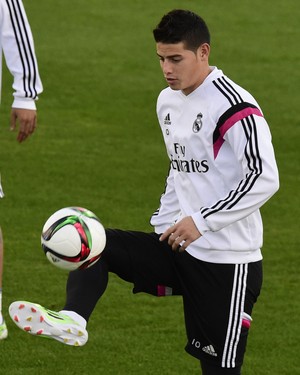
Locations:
27 119
182 234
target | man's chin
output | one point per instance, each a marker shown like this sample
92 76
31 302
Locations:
174 87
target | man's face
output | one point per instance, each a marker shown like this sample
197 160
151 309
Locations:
183 69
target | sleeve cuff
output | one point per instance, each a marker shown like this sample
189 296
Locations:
200 223
24 103
159 229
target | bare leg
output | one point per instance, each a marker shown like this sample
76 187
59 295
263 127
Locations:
3 328
1 266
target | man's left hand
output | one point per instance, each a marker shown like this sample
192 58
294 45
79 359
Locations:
27 122
182 234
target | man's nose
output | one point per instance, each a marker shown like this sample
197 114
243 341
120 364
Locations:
166 67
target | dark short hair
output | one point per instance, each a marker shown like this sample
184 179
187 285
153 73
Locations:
182 26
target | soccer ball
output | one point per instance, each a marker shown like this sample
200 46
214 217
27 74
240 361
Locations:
73 238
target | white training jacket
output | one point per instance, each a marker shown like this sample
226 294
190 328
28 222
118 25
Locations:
16 42
222 168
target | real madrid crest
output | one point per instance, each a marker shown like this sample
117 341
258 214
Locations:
197 125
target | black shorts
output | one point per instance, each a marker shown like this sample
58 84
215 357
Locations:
217 298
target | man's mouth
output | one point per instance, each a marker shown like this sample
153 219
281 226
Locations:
170 80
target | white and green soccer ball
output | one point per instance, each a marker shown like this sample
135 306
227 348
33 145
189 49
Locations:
73 238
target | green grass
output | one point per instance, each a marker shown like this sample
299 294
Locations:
98 145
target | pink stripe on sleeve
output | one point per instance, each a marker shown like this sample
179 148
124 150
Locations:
230 122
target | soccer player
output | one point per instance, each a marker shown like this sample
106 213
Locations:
206 244
17 44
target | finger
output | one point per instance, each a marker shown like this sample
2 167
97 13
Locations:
13 119
33 125
177 243
25 130
171 239
166 234
183 246
21 136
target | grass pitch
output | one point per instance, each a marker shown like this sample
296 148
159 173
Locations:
98 145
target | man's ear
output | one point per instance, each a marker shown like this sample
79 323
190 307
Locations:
203 51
